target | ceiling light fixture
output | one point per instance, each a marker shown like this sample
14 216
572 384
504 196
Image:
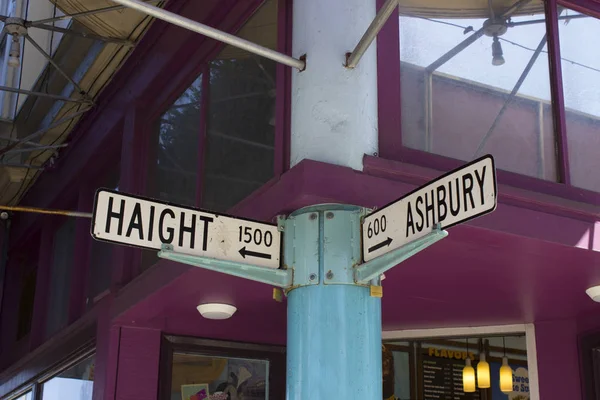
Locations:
216 310
15 52
506 373
497 55
468 374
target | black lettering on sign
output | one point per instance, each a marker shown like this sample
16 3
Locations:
151 223
410 224
118 215
161 230
418 208
189 229
136 222
206 221
454 211
429 208
480 180
467 189
441 202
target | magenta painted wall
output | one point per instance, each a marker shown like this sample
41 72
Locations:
558 363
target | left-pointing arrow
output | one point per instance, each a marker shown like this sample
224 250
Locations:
380 245
256 254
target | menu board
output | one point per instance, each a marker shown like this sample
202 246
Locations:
442 379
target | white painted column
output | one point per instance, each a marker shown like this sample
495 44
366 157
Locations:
334 109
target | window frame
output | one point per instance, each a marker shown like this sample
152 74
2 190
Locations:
390 117
275 354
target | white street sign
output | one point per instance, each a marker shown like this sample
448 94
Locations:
136 221
458 196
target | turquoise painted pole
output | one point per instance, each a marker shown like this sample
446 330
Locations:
334 325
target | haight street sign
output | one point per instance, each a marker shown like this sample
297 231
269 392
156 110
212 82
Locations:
458 196
137 221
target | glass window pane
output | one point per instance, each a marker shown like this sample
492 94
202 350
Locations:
463 108
26 396
218 378
581 86
60 278
75 383
240 140
173 174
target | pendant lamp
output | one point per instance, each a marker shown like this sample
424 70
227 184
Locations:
483 372
468 374
506 374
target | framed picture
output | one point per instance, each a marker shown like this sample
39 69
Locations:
197 391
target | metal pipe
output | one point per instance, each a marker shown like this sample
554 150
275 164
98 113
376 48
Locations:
55 65
41 94
80 14
372 31
454 51
543 21
428 105
46 211
512 95
40 148
213 33
42 131
541 156
86 35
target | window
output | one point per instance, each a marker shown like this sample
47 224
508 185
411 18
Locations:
240 137
218 370
432 368
173 176
60 278
26 396
74 383
472 85
581 76
28 265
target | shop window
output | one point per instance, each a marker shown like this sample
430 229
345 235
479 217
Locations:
433 368
101 260
471 86
27 294
240 137
25 396
57 313
214 370
75 382
581 86
173 176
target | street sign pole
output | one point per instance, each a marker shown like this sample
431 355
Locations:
334 301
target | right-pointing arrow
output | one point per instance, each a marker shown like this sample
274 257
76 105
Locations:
380 245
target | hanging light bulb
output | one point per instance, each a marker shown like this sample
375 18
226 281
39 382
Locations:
506 373
468 374
497 58
483 373
15 52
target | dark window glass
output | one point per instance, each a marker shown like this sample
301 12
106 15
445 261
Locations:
473 86
60 278
76 382
240 137
580 73
26 302
173 176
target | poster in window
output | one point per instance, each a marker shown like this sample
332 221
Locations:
195 392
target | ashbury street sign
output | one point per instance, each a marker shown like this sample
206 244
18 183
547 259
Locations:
135 221
455 197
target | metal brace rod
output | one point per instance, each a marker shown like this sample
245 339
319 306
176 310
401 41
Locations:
55 65
44 130
86 35
276 277
41 94
39 148
213 33
372 31
377 266
80 14
454 51
46 211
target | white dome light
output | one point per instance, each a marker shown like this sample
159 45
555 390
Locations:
216 310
